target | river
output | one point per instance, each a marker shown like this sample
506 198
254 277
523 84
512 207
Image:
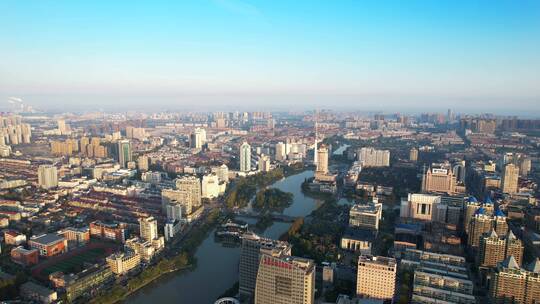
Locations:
217 266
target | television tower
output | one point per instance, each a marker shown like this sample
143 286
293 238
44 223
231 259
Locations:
316 137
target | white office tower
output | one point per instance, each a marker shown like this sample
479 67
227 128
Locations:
245 157
47 176
198 138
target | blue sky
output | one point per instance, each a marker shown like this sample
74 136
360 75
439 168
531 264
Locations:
205 54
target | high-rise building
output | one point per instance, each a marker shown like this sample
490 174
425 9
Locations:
210 186
482 223
458 171
47 176
253 246
63 127
223 173
509 180
365 216
514 247
413 154
491 250
174 212
500 222
439 178
525 166
142 163
281 153
148 228
471 207
322 159
188 194
245 157
134 132
264 163
371 157
376 277
124 153
495 248
513 284
198 138
66 148
285 280
316 143
424 207
13 131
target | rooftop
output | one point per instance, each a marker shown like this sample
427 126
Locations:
47 239
380 260
366 208
39 289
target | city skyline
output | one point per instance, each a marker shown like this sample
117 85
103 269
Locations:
270 151
277 55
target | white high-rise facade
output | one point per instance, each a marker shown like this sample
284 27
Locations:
370 157
210 186
198 138
245 157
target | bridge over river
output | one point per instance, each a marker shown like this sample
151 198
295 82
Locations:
275 217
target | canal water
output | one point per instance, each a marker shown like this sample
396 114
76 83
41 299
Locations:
217 266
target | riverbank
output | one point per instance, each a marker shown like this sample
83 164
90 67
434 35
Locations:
217 265
185 260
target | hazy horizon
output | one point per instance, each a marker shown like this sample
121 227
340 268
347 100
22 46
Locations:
391 56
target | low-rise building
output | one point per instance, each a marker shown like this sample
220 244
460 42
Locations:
25 257
12 237
48 244
146 249
79 284
76 236
358 240
37 293
438 278
111 231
